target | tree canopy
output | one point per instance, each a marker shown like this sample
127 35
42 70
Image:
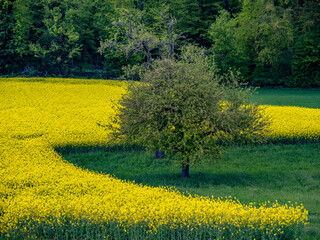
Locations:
182 108
273 42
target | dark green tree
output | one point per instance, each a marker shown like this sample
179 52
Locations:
182 108
59 44
306 48
261 41
90 18
210 11
57 36
265 33
188 14
135 38
7 48
222 34
28 16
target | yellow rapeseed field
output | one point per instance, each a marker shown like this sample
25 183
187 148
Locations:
293 124
43 195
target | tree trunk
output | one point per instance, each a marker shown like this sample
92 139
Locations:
158 154
185 170
226 5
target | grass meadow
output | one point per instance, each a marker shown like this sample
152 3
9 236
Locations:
288 97
59 179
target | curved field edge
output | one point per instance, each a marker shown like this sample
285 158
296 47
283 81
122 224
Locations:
251 173
43 195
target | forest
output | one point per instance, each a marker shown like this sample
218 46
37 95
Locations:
265 42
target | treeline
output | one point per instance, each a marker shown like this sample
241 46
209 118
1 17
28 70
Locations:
269 42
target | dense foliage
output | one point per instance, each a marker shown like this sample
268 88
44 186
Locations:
270 42
183 108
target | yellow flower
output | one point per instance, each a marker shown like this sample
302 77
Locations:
39 188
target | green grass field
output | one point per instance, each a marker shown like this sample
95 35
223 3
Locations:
288 97
249 173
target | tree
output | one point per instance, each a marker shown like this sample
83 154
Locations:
55 36
210 11
134 37
59 44
7 49
90 18
264 34
29 28
257 41
188 13
306 48
222 32
182 108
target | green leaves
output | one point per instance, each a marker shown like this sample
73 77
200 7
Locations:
306 60
181 108
269 42
7 49
256 41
